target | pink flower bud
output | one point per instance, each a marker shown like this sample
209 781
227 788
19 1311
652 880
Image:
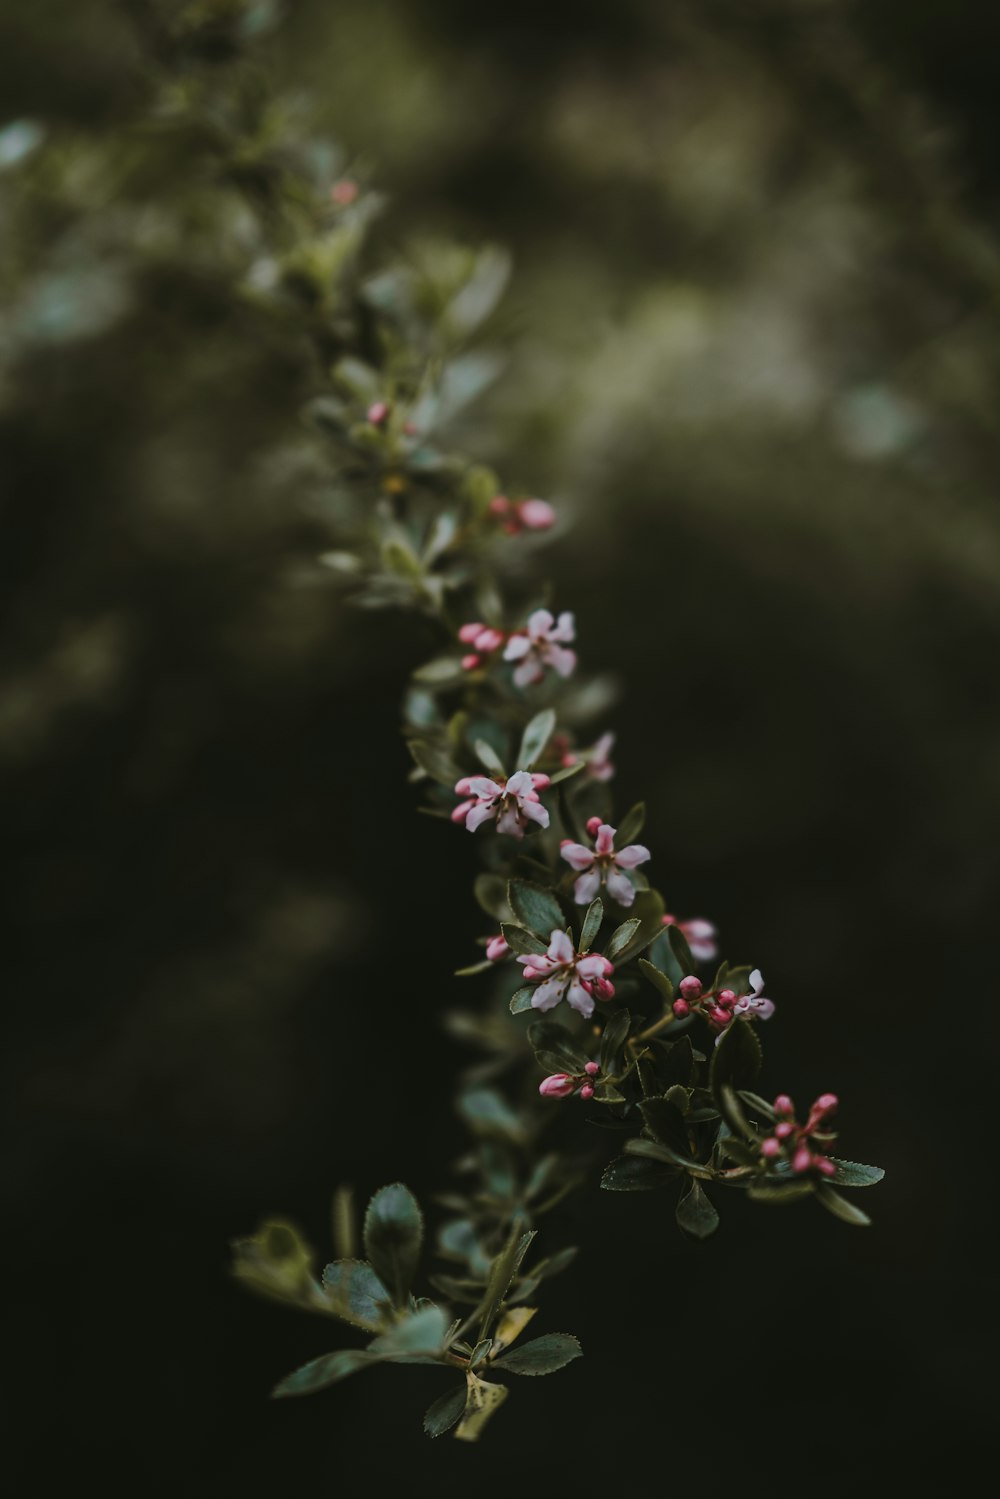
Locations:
497 948
586 1091
681 1008
782 1104
377 412
470 662
727 999
770 1148
667 919
459 813
592 1069
593 823
604 989
718 1015
344 192
464 786
802 1159
499 505
540 780
690 987
785 1129
488 639
825 1165
609 967
537 515
532 973
558 1085
826 1103
470 633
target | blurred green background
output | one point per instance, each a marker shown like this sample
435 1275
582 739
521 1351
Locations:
751 352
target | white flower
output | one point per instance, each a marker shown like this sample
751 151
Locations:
541 644
567 974
513 802
602 865
754 1005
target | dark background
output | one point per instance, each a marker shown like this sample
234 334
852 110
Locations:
751 349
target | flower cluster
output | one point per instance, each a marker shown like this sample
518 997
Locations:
484 639
793 1142
603 865
512 802
563 973
563 1084
522 515
721 1007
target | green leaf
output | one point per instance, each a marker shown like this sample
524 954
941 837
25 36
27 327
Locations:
680 949
654 1150
631 825
422 1333
675 1063
666 1123
440 672
535 737
473 969
658 979
355 1293
521 1000
520 940
542 1355
736 1059
277 1263
591 924
487 1112
502 1272
635 1174
622 936
854 1174
394 1232
613 1039
320 1372
434 762
566 772
549 1036
446 1411
488 757
648 910
490 891
776 1193
483 1401
841 1208
536 909
695 1213
732 1113
756 1104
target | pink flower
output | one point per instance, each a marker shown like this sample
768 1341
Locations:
602 865
522 515
699 935
567 974
513 802
599 766
542 643
484 639
497 948
754 1005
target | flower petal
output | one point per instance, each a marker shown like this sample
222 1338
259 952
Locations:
516 647
528 672
605 840
620 887
560 948
536 812
540 623
632 855
480 813
587 887
577 856
580 1000
548 994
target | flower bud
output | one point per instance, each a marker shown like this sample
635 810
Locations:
681 1008
802 1159
540 780
825 1165
586 1091
690 987
537 515
557 1085
377 412
470 662
532 973
770 1148
825 1103
463 787
592 1069
497 948
499 505
785 1129
727 998
782 1104
593 823
470 633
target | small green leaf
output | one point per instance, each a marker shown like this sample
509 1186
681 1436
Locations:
490 891
521 940
446 1411
634 1174
536 909
473 969
695 1213
666 1123
502 1272
613 1040
591 924
422 1333
536 736
776 1193
320 1372
487 1112
394 1232
648 910
542 1355
654 1150
841 1208
480 1352
548 1035
658 979
355 1293
631 825
680 949
439 672
434 762
277 1263
488 757
854 1174
622 936
521 1000
736 1059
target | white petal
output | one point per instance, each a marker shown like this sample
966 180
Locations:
566 628
508 822
576 855
529 671
605 840
540 623
560 659
757 981
620 887
587 887
536 812
481 813
520 783
482 786
580 1000
548 994
560 947
591 967
632 855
